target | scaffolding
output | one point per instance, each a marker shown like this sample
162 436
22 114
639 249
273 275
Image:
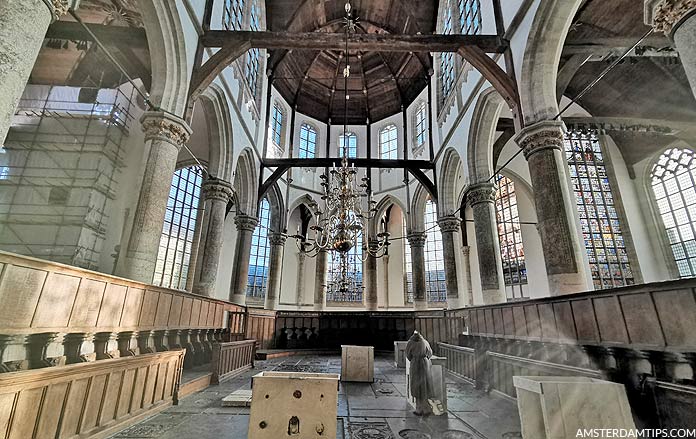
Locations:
59 170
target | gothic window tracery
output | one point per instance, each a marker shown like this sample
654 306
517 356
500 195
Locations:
510 237
350 140
436 289
388 143
308 141
260 253
355 272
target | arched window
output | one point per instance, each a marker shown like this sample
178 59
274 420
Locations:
173 257
601 230
276 128
308 141
447 58
233 14
351 141
355 272
673 180
510 236
434 257
421 125
408 266
260 253
469 17
388 143
251 71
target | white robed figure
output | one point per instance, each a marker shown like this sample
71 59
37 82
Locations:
418 353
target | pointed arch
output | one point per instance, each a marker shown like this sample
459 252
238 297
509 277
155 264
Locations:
246 182
220 132
416 219
482 135
448 193
381 207
279 220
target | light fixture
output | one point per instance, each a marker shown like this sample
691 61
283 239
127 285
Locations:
348 207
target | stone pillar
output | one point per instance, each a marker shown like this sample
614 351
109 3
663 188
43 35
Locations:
275 269
385 275
542 144
240 271
217 194
481 198
320 280
299 290
417 242
449 226
165 135
23 25
676 19
371 301
466 275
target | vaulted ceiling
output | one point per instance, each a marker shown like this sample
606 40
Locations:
379 84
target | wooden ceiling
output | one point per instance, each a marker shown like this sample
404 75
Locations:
379 84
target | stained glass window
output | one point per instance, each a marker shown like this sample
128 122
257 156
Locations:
260 253
447 58
601 230
176 241
233 14
469 16
434 257
408 267
251 71
308 141
673 180
276 125
510 236
351 140
421 124
355 272
388 142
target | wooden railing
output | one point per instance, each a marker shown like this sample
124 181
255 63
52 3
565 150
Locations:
84 399
231 358
460 361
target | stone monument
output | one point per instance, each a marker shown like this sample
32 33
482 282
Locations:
358 363
419 378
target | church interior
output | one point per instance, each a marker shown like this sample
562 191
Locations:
350 219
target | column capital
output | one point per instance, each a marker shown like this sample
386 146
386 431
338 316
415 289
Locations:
416 239
449 224
246 222
58 8
275 238
548 134
481 193
158 125
666 15
214 189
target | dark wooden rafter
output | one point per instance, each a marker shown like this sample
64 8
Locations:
206 73
132 37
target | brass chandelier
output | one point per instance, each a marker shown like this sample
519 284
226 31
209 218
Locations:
348 208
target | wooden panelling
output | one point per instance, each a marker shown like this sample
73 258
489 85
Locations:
461 361
231 358
86 398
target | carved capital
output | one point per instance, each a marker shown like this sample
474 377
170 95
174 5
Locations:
165 127
665 15
214 189
58 8
449 224
277 238
246 222
541 136
481 193
416 239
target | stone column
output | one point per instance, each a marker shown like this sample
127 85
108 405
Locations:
676 19
371 301
449 226
217 194
299 290
275 269
23 25
417 242
481 198
466 275
165 135
240 271
320 280
542 144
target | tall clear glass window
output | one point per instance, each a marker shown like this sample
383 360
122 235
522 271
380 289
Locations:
469 17
251 71
421 124
355 272
510 236
233 14
435 286
308 141
673 180
260 253
350 140
176 241
388 143
601 230
276 125
447 58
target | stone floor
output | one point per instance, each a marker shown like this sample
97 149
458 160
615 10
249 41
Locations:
366 411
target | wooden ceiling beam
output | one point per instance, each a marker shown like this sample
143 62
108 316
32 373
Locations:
600 45
110 35
363 42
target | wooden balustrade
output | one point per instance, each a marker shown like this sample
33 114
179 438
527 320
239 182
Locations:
461 361
88 399
232 358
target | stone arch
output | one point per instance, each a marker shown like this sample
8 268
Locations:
246 182
381 208
447 192
537 86
416 217
482 135
169 57
220 132
278 213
